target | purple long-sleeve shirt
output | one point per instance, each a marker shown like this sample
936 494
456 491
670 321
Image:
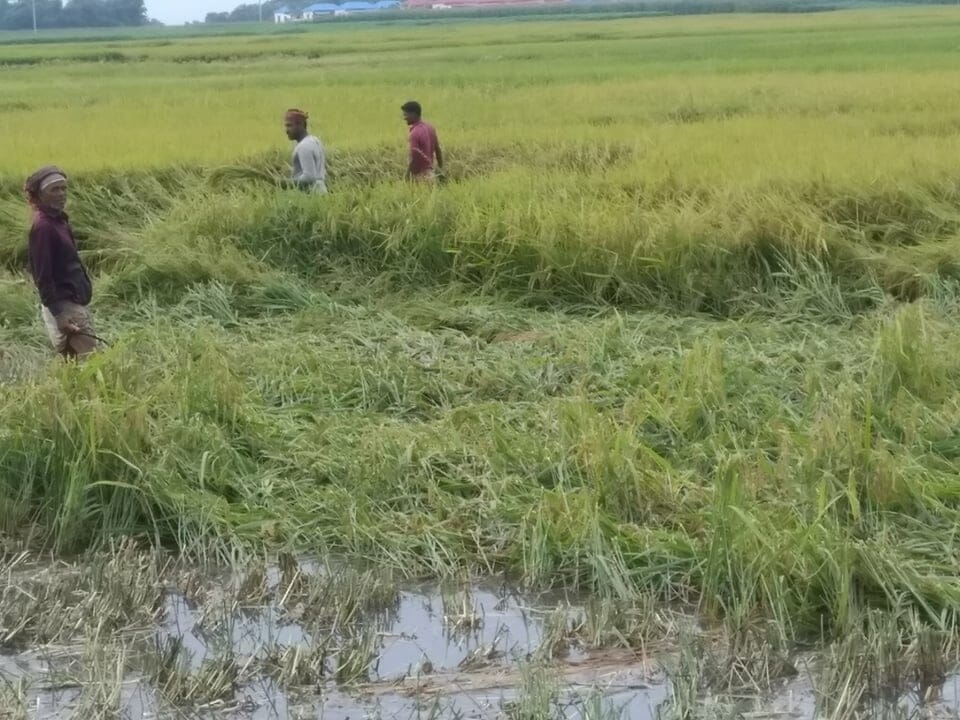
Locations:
55 263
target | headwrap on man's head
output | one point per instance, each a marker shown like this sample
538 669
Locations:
41 179
296 115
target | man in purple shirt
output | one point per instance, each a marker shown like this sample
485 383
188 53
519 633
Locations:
424 145
61 279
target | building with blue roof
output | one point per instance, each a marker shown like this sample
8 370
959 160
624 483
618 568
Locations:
317 9
285 14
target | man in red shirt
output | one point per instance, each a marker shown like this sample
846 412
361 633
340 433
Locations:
424 145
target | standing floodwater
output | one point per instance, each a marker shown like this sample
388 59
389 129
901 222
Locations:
136 636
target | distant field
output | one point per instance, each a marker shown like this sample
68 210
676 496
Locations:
857 95
682 326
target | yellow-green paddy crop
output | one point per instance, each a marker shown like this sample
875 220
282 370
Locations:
683 323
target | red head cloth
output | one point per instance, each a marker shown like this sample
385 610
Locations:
296 115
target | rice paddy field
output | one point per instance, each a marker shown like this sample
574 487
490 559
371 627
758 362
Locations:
656 397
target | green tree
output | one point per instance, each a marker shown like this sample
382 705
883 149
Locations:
250 12
18 15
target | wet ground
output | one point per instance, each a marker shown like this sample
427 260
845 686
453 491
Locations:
466 653
429 651
429 662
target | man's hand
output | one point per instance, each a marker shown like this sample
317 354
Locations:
68 325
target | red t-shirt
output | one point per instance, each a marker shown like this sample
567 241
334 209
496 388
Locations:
423 147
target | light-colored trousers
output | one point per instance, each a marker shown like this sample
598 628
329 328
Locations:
70 344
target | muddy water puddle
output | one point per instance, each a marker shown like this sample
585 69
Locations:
426 660
139 638
290 648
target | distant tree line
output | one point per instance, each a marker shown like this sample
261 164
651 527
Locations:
249 12
18 14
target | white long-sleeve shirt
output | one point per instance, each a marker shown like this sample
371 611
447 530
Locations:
310 165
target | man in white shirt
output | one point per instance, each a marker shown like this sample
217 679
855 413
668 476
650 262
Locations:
309 160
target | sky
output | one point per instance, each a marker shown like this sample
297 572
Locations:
177 12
